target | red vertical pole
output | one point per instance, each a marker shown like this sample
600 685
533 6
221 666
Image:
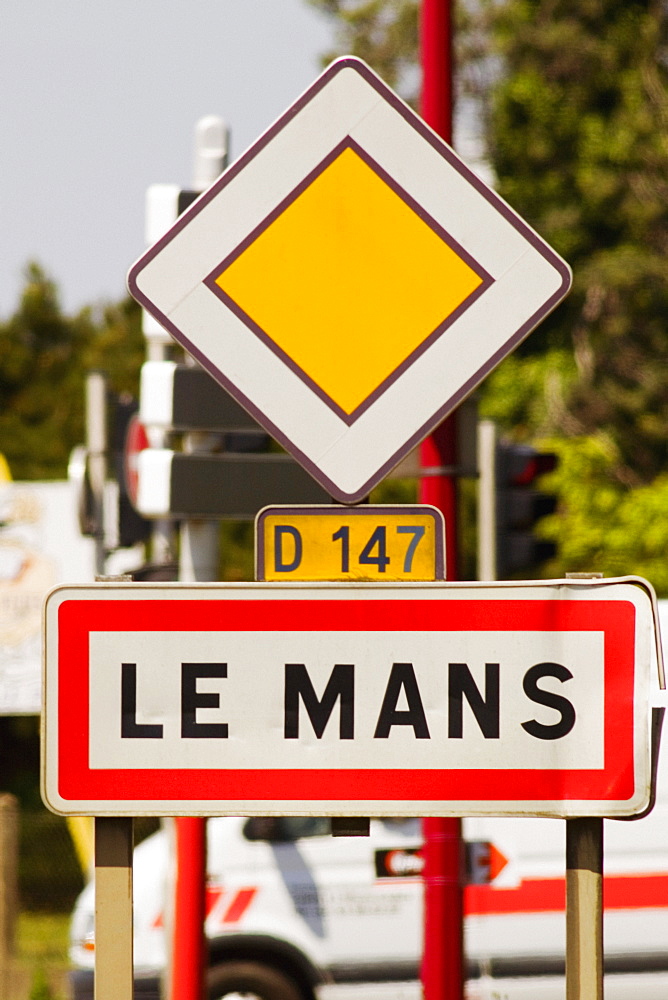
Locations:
436 60
188 945
443 954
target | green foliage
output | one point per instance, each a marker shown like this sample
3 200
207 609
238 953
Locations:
381 32
395 491
605 522
236 551
40 989
44 358
41 960
603 525
574 102
117 346
527 394
41 382
576 132
49 879
577 136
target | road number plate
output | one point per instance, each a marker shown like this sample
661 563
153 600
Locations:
339 543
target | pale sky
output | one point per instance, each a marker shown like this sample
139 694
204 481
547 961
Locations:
100 100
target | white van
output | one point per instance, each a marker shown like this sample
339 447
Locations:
292 909
296 914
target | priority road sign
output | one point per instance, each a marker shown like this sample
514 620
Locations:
347 699
349 280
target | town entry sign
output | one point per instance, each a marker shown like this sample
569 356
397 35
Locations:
348 699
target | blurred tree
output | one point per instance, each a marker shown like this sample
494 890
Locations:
573 101
381 32
41 387
117 346
573 96
602 525
44 357
576 129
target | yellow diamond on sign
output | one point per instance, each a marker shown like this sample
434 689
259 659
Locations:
347 280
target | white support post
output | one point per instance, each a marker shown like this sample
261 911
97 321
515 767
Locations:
487 568
199 539
96 446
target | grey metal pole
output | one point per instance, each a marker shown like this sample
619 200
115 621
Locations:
199 539
96 446
198 561
487 500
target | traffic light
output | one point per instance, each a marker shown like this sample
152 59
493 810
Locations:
519 506
132 527
235 482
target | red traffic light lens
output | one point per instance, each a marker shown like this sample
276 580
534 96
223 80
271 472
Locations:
534 466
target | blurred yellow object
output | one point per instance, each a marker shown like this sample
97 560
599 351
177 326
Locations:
5 474
82 832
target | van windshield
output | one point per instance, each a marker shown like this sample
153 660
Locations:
282 829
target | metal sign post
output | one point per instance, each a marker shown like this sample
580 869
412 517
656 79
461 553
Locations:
442 970
584 898
584 909
113 908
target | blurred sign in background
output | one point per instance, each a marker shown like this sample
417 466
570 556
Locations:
40 546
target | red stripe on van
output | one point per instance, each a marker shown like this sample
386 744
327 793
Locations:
239 905
213 896
545 895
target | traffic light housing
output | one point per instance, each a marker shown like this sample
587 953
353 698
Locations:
132 527
520 505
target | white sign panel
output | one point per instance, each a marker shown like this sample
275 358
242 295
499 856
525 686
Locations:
349 280
438 699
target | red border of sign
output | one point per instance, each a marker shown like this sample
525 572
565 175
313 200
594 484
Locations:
79 617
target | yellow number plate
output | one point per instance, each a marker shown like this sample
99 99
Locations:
342 543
